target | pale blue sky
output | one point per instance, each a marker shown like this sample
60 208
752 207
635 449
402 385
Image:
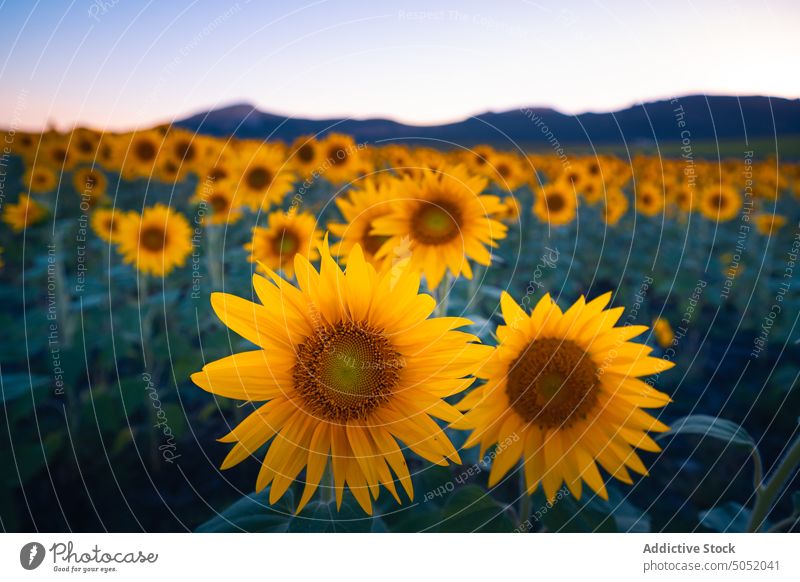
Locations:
120 63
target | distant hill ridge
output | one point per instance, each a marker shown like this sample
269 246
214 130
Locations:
694 117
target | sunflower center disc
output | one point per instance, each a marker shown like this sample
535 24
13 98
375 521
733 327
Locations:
305 153
146 151
436 223
555 202
259 178
372 243
344 372
219 203
552 382
153 238
285 244
337 155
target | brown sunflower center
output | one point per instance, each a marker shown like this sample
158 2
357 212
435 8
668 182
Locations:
145 150
153 238
436 223
85 146
345 372
555 202
305 153
259 178
185 151
372 243
552 382
337 155
218 202
717 201
218 173
285 244
503 170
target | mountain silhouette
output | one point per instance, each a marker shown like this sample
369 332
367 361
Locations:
694 117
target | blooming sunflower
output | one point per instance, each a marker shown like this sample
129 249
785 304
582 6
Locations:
83 144
24 213
350 366
40 179
90 182
649 199
142 153
104 223
220 200
305 155
508 171
447 221
264 180
566 384
720 202
287 234
556 203
156 242
340 155
55 152
360 208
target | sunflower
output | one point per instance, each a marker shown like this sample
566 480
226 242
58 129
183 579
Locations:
556 203
23 144
40 179
264 179
720 203
55 152
24 213
304 155
83 144
767 224
220 200
360 208
511 210
142 153
649 199
350 367
156 242
340 157
508 171
90 182
478 159
447 221
566 384
105 223
287 234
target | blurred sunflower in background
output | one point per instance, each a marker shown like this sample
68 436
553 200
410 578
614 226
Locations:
287 234
341 157
350 366
616 206
24 213
104 223
447 220
556 204
141 154
156 242
304 155
720 202
264 178
40 179
220 199
649 199
83 144
566 383
90 182
360 207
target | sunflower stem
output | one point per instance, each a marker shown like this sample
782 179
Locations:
767 494
524 501
213 256
443 295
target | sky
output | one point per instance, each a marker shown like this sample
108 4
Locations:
118 64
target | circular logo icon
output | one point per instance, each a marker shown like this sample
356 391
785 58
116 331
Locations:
31 555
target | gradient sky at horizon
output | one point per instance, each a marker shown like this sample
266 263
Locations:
118 64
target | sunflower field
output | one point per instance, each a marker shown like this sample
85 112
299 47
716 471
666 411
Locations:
217 334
